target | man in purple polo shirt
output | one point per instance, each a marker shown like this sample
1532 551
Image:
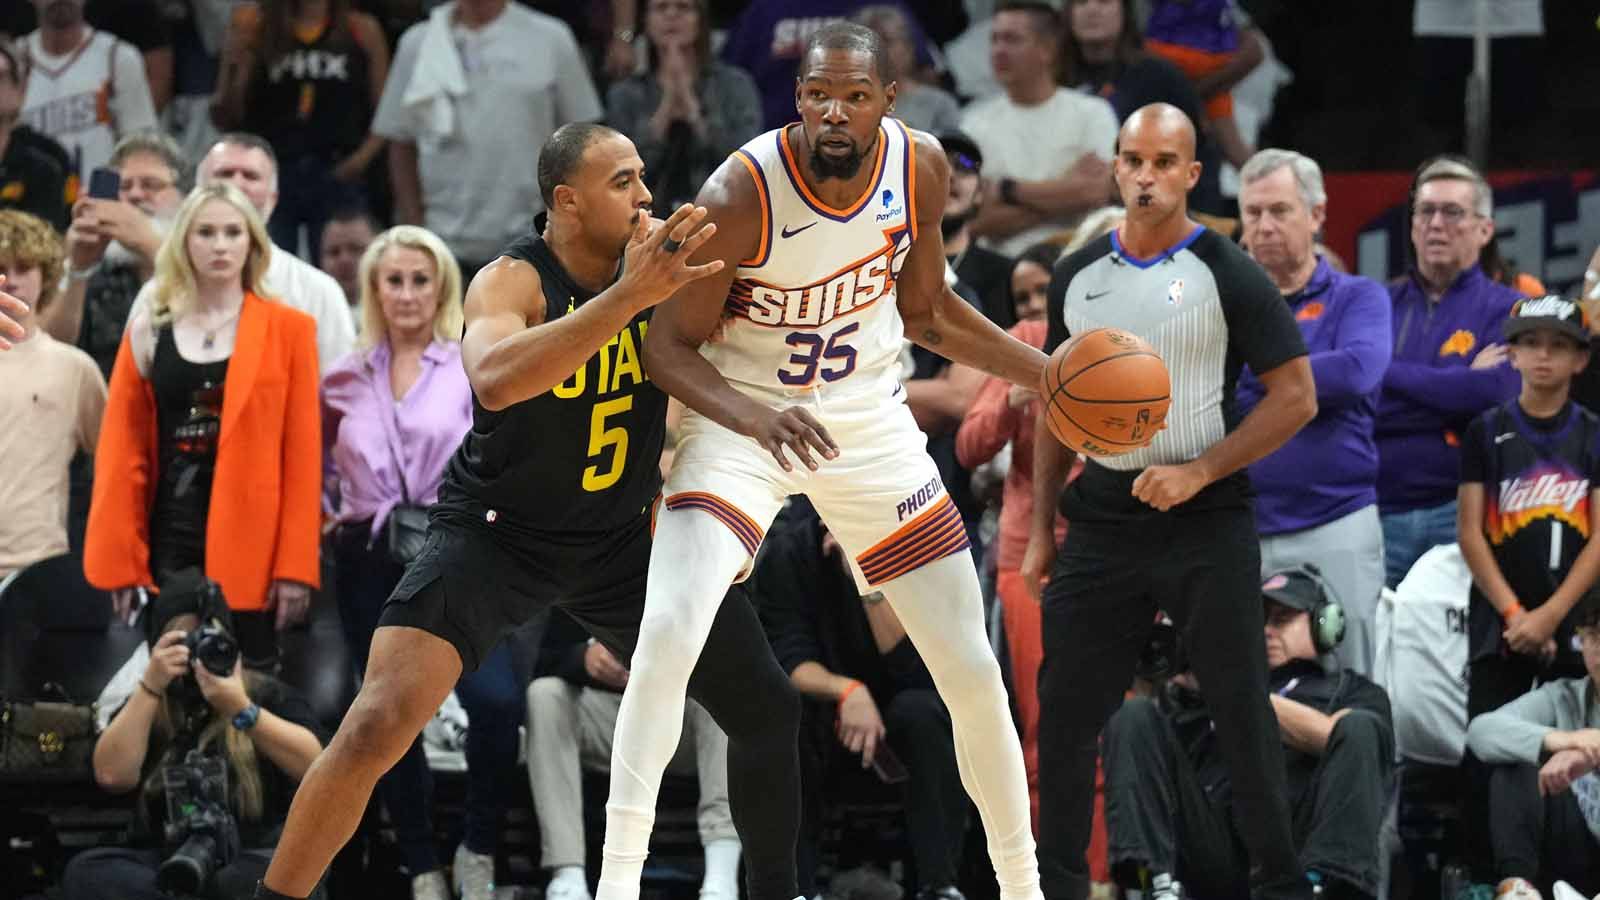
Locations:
1317 495
1448 363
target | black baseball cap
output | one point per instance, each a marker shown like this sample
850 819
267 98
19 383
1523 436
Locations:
1294 589
1550 311
963 150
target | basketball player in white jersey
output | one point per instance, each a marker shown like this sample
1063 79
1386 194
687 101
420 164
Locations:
829 233
85 88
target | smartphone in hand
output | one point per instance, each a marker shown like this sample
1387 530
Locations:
887 766
105 184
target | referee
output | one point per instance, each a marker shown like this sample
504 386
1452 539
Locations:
1171 525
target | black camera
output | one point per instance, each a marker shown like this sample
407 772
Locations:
1163 655
198 822
214 647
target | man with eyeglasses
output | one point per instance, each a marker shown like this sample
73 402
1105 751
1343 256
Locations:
112 244
1449 362
33 174
1543 750
986 272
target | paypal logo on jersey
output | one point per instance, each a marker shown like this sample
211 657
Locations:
889 211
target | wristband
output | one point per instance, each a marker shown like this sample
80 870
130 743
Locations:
846 693
149 690
85 273
1511 610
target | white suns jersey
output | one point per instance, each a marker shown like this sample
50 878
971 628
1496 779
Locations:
814 309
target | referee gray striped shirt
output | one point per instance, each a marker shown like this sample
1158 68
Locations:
1207 308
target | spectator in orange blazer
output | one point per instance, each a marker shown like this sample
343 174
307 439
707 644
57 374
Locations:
210 449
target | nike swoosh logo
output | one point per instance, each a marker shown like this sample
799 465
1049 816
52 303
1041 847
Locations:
1502 438
1095 296
789 234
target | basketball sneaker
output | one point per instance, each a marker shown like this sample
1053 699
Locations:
473 874
1564 891
430 886
1516 889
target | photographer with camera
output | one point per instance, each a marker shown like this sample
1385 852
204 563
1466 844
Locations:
214 752
850 652
1169 811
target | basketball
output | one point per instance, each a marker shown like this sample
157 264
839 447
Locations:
1105 392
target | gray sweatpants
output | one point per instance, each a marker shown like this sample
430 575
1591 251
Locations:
570 729
1349 553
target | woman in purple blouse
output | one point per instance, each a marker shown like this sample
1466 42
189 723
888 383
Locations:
394 411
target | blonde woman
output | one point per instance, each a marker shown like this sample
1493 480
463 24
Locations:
261 729
208 453
394 411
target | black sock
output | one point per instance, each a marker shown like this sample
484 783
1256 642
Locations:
265 893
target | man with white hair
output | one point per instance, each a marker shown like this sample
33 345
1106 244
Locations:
248 163
1317 495
1449 364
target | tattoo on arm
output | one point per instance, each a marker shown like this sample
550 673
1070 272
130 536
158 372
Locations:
932 336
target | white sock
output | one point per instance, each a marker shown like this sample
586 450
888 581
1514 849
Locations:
722 868
563 874
941 607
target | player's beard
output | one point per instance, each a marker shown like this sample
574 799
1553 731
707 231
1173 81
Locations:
843 168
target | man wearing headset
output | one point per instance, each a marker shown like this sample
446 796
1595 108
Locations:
1169 815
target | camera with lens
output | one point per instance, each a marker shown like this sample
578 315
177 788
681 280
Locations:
1163 654
214 647
199 824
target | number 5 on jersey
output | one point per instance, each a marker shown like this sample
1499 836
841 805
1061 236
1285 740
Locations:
601 439
836 360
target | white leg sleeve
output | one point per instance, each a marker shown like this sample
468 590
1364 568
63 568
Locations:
692 563
941 607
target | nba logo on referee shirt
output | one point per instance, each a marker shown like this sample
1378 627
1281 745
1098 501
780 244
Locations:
1175 292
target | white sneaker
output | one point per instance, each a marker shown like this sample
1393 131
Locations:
430 886
567 889
473 874
1564 891
1516 889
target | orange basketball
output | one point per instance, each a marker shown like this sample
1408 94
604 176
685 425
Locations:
1105 392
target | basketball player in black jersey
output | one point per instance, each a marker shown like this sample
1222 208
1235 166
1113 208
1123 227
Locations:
548 502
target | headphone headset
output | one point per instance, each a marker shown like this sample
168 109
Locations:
1327 616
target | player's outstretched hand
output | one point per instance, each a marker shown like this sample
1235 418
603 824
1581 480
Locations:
799 431
656 260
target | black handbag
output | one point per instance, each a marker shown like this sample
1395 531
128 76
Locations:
43 742
407 527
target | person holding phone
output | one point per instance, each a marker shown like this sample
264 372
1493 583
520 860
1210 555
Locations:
849 655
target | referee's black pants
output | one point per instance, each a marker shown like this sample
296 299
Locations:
1203 568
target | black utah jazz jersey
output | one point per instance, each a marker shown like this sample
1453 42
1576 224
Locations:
1537 475
584 455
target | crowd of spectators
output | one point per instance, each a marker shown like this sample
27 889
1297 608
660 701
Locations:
195 204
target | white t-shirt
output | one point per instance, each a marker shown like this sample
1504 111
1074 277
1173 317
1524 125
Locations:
1459 18
298 284
525 78
1034 143
87 98
54 391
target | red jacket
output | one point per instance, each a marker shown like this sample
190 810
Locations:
991 423
265 495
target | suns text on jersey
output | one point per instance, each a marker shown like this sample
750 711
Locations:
852 289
